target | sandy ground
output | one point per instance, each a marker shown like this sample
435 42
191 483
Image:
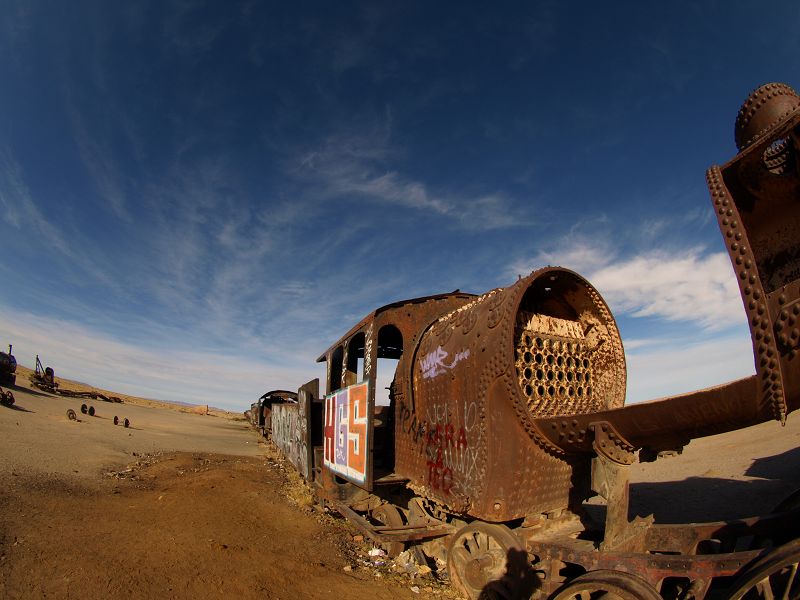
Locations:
177 506
183 505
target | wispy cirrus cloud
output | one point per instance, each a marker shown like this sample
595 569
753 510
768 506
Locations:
362 166
197 376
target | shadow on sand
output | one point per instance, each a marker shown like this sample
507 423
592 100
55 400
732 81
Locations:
703 499
518 583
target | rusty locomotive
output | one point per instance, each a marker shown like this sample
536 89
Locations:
506 412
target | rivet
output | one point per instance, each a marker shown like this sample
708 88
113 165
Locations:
734 246
752 279
738 236
743 250
781 299
748 290
738 258
757 295
796 333
734 225
748 263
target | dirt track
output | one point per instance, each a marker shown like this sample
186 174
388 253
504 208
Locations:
184 505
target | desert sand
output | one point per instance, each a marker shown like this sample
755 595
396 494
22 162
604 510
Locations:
184 505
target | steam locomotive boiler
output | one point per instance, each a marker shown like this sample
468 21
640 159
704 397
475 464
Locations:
506 413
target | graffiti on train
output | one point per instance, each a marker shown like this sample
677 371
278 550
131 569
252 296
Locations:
290 433
346 431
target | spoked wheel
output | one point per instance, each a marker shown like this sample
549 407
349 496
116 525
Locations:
487 560
774 577
388 514
608 585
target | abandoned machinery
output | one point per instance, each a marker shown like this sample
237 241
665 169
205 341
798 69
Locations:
8 368
506 413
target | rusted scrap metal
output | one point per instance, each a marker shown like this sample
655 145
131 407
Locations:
44 377
506 412
92 395
71 415
260 413
8 368
6 397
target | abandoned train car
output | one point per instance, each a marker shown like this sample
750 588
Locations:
506 412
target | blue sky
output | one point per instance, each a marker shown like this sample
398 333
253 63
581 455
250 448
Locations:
199 198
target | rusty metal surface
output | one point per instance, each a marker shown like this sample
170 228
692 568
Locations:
480 376
407 320
6 397
290 432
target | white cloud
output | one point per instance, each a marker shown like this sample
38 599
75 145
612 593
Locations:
676 287
196 376
656 369
695 290
687 285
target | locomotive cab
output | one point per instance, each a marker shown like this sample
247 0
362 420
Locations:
364 390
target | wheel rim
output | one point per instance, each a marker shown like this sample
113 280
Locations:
608 585
388 514
478 556
774 577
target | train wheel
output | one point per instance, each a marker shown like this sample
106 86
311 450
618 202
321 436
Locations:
71 415
610 585
487 560
84 409
91 411
116 420
126 423
774 576
388 514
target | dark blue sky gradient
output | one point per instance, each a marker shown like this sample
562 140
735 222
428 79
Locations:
245 180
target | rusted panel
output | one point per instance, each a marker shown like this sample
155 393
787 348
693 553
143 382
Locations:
755 200
480 375
290 432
